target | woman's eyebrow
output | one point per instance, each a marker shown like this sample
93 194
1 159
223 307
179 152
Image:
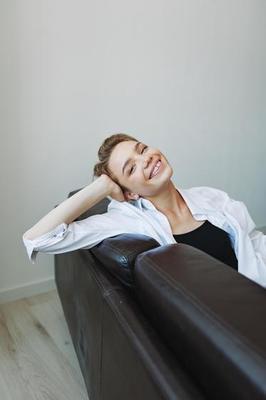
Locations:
129 159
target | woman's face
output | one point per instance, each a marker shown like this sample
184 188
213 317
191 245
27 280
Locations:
141 168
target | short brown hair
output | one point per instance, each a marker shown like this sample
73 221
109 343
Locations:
104 154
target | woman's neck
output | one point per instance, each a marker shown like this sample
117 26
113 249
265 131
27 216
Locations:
170 202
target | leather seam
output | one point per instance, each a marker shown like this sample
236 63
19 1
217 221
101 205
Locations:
101 353
124 325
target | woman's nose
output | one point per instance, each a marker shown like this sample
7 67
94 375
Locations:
147 160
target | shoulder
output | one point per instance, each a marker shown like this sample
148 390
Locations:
208 197
207 190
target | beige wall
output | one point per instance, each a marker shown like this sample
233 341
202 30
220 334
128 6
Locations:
187 76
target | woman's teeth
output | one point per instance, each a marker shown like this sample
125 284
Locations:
156 169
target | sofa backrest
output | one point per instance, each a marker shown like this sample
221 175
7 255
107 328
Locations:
212 317
118 253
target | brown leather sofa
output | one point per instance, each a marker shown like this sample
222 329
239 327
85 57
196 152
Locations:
162 322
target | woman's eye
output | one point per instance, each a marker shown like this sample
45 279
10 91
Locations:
131 169
144 148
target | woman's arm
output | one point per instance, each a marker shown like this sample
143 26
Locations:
74 206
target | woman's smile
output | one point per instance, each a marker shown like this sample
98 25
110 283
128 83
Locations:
156 169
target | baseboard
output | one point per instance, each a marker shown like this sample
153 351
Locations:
28 290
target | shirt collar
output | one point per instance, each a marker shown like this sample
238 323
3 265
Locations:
143 204
140 203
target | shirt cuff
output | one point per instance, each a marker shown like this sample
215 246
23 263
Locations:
33 246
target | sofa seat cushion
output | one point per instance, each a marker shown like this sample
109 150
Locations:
211 316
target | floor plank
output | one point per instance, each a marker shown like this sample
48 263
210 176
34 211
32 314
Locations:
37 358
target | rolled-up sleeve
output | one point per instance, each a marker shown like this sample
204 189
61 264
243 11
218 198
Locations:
64 237
258 238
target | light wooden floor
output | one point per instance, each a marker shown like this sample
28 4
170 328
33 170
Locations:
37 357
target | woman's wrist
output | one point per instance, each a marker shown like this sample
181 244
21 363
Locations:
104 185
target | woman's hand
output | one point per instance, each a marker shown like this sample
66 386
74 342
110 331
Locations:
113 188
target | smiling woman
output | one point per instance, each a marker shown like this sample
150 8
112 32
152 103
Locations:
144 200
139 169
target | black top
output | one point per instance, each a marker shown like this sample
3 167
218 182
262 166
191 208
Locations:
213 240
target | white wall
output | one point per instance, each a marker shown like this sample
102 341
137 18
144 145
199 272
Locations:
185 75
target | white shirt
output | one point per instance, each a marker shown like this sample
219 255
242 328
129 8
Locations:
141 216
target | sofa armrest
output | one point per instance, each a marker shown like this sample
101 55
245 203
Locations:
118 254
211 316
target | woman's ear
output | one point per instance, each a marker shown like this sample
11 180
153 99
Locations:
131 196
